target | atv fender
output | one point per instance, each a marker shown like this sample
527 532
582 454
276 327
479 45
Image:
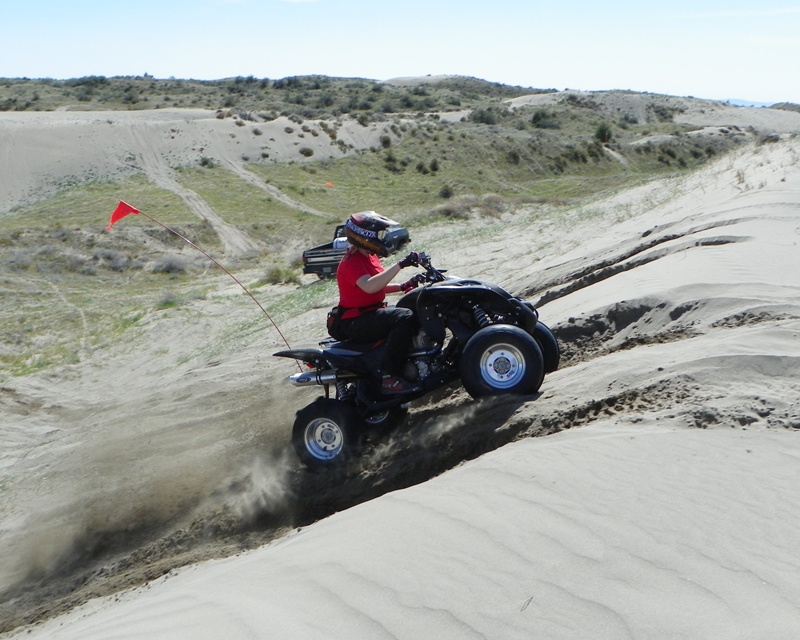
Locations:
313 357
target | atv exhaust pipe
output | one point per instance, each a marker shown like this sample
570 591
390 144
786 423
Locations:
308 378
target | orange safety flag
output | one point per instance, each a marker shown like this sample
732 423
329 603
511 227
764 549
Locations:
329 185
122 210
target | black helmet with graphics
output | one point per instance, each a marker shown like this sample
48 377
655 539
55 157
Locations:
367 230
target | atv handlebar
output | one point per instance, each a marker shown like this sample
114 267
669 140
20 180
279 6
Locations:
432 274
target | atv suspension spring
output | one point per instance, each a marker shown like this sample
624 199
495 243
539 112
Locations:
341 390
480 317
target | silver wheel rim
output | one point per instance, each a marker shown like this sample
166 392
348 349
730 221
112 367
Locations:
324 439
502 366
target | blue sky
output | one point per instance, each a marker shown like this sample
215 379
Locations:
719 49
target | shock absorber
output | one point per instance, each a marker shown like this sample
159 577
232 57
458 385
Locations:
481 319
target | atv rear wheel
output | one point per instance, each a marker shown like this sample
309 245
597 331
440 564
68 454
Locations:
326 433
501 359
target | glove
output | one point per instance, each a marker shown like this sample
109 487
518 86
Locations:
413 283
411 260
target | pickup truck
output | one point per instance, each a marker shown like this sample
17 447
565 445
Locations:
324 259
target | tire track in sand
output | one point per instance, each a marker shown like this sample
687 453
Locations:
236 243
280 196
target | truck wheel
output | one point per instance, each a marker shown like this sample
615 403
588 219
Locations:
326 434
501 359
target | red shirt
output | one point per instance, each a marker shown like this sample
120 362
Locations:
355 264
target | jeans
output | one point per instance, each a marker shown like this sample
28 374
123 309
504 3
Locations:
398 325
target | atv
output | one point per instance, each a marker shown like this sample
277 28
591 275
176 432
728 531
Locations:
470 330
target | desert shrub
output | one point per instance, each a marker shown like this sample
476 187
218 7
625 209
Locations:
581 102
278 274
391 163
87 81
492 204
306 151
167 301
386 141
169 264
544 119
595 149
21 261
483 116
457 208
208 163
110 259
663 113
603 132
330 131
446 191
668 150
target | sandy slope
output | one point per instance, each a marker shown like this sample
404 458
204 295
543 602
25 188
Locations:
663 504
43 152
644 530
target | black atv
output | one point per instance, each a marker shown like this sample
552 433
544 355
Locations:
469 329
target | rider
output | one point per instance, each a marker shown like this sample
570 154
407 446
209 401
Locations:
363 285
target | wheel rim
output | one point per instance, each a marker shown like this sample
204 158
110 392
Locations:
324 439
502 366
377 418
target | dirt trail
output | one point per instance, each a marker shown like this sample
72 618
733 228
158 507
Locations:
280 196
236 243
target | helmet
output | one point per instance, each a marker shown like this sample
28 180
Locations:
367 230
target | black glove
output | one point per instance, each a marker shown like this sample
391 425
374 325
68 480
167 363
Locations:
411 260
413 283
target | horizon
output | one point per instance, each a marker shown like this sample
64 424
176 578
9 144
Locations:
739 102
705 49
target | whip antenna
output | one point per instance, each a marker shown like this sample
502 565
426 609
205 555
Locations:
123 209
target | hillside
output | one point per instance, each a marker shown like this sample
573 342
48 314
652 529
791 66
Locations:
255 187
147 423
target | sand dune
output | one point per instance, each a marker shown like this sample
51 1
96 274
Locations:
661 500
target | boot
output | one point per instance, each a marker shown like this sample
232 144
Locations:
393 385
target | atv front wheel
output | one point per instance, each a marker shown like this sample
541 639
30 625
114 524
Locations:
549 346
326 433
501 359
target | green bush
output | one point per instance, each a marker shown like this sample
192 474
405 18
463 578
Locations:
544 119
603 132
278 274
483 116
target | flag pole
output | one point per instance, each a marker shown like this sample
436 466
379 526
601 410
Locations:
123 209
